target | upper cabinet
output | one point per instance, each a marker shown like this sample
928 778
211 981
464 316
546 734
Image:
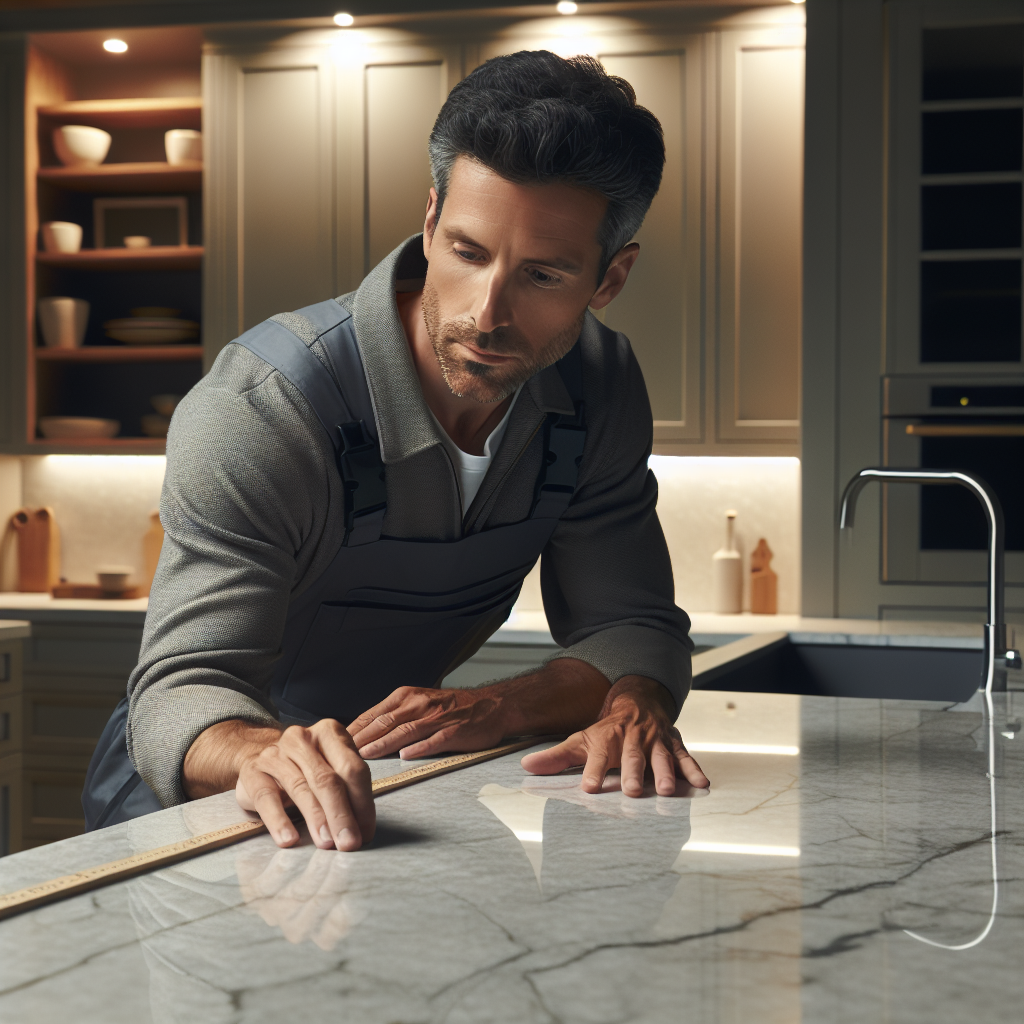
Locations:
317 168
957 141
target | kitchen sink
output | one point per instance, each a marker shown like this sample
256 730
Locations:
776 663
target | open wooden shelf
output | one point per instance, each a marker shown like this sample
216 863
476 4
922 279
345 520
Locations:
102 445
155 112
127 177
156 257
122 354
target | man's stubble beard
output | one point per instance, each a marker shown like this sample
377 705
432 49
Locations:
483 383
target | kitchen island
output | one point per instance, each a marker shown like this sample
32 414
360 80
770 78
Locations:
842 868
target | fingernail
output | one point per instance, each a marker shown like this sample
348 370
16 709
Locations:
347 838
287 835
325 834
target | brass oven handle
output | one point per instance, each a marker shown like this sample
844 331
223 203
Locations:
967 430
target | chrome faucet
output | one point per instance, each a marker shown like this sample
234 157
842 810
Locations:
995 627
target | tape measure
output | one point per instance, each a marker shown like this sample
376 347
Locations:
118 870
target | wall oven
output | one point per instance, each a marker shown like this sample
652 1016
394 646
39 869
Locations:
936 534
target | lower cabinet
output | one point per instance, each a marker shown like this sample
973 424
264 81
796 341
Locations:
61 687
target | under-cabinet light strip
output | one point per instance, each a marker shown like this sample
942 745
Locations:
740 748
749 848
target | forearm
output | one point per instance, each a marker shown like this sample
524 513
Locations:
214 759
565 695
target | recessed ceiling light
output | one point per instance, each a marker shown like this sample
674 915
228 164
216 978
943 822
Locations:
565 7
798 1
115 45
344 20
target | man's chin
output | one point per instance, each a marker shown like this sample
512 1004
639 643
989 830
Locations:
477 381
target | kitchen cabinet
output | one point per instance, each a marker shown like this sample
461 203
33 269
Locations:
912 314
317 168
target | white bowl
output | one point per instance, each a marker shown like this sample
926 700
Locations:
62 236
63 320
62 427
137 241
78 145
183 145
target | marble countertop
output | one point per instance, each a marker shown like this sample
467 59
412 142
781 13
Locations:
14 629
839 870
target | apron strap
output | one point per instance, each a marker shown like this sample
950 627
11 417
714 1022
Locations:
564 440
284 342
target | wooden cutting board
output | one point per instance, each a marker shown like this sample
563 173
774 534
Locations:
38 549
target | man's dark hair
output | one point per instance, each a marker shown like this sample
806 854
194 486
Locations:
533 116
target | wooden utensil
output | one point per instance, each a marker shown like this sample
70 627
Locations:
38 549
764 583
152 542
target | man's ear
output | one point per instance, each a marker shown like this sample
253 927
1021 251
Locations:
615 276
430 223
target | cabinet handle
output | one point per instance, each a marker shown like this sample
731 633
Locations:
967 430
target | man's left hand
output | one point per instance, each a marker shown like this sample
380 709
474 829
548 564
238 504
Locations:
634 731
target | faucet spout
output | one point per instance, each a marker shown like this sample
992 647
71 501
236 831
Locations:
995 627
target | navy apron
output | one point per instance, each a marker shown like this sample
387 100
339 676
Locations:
386 612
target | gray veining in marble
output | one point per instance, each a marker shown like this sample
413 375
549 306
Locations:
784 895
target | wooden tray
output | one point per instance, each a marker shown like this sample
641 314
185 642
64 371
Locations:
92 591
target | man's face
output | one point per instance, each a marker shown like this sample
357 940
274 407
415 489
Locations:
511 271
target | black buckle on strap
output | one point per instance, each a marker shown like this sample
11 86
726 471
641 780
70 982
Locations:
362 471
565 437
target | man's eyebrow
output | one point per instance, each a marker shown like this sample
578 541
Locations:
555 263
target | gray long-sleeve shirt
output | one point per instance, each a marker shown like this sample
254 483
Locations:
251 508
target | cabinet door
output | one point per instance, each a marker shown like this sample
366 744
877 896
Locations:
760 224
269 126
317 165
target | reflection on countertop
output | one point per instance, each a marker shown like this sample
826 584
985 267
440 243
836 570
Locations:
834 828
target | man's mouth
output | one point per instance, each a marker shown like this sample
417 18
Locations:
488 358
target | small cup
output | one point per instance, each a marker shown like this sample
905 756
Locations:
63 320
183 145
78 145
137 241
62 236
114 578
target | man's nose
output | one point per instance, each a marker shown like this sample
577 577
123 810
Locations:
495 309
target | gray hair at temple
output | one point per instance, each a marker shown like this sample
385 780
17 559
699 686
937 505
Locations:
535 117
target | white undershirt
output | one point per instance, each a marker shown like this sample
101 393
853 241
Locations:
471 469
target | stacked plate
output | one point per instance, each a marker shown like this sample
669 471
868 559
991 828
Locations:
151 330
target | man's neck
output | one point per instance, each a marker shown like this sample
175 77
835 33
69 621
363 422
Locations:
467 422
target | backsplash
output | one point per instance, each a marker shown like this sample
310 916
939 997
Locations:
102 505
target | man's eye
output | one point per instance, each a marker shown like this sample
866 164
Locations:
468 254
543 278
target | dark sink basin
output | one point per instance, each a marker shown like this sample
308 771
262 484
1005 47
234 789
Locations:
779 665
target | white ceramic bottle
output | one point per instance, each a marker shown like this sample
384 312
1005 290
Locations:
727 568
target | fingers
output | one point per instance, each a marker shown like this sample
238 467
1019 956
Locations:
379 720
691 771
567 754
262 792
633 764
402 734
595 770
339 750
664 767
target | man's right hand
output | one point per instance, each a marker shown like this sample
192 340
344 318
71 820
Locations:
316 769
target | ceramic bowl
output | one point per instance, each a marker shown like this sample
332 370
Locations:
138 330
113 579
78 145
183 145
62 236
63 320
165 404
137 241
154 425
81 427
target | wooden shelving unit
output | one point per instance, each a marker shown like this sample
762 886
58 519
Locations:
128 177
108 379
122 354
157 257
155 112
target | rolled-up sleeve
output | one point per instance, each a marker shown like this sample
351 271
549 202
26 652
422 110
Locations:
606 576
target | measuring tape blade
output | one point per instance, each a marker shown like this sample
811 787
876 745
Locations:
117 870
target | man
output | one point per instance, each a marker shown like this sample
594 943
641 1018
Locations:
356 491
